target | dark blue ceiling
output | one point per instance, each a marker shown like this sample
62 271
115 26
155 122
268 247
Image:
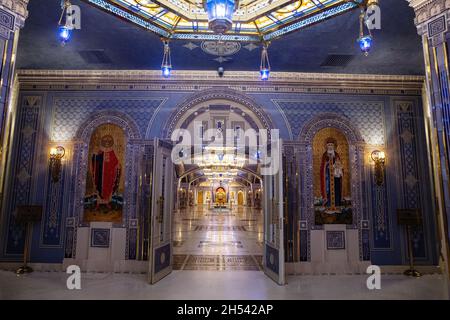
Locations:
397 48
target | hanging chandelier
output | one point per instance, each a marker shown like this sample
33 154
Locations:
220 14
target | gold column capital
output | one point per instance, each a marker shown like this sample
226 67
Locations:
18 8
427 11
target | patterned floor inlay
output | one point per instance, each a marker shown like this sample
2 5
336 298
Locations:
179 260
207 243
219 228
177 243
259 261
220 215
217 262
209 262
240 263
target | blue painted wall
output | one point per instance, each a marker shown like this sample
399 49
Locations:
394 123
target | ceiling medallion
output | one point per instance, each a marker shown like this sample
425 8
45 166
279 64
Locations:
221 48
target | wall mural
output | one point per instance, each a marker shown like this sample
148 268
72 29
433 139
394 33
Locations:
104 180
332 200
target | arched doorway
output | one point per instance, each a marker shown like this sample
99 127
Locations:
224 234
200 198
334 224
240 198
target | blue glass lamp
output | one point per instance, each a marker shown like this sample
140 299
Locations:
365 41
166 65
220 15
64 34
365 44
264 69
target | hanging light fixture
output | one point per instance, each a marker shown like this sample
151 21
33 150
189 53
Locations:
220 14
264 69
64 30
364 41
166 65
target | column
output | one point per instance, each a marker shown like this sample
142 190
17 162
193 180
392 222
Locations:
12 18
433 22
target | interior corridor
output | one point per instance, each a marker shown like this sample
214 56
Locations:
218 239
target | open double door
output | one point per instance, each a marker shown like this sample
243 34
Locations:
162 200
162 206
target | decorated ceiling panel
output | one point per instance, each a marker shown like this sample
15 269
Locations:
253 20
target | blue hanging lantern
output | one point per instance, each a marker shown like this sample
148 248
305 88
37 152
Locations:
220 14
64 30
365 44
364 41
166 65
264 69
264 74
64 34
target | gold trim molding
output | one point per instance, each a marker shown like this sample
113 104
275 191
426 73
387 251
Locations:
185 80
427 9
17 7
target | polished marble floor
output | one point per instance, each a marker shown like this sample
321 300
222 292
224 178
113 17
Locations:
236 285
207 241
218 239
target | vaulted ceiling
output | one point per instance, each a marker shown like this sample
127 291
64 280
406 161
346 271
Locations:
107 42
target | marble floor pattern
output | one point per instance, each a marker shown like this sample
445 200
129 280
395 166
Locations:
236 285
218 239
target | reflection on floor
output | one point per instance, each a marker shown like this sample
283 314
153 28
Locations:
218 239
237 285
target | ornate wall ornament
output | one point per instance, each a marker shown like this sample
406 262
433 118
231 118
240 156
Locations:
221 48
243 81
410 175
18 8
367 116
427 10
70 112
22 175
356 156
214 94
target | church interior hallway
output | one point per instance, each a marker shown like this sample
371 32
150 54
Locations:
216 239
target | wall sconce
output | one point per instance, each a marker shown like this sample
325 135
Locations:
379 158
56 155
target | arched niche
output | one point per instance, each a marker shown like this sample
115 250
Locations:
356 147
80 171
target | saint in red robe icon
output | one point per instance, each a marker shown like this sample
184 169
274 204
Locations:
105 169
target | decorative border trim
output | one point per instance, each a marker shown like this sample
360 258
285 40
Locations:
335 240
214 94
191 75
239 81
105 240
